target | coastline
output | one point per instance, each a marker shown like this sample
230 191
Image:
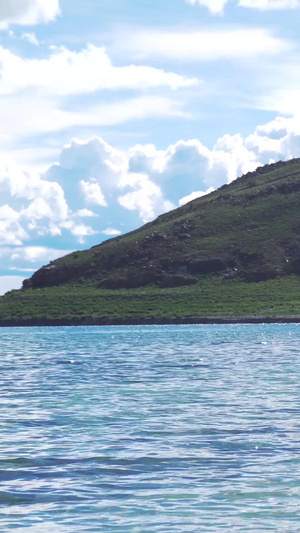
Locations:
149 322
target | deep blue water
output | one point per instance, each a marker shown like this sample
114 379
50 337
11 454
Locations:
150 429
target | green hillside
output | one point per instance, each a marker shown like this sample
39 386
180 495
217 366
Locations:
233 253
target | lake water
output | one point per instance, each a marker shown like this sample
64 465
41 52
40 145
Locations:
163 429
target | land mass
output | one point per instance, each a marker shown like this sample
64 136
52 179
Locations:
231 256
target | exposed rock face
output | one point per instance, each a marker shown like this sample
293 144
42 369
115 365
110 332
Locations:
51 275
259 275
147 278
130 280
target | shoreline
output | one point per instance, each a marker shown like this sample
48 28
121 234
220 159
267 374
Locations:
149 322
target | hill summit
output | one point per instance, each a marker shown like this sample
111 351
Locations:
244 236
248 230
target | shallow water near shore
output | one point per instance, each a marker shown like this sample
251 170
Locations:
150 429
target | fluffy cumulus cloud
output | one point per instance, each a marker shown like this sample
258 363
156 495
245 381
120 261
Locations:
217 6
146 181
98 176
33 206
145 196
27 12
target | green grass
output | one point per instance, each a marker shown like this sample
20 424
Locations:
211 297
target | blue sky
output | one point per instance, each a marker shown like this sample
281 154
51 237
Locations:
114 112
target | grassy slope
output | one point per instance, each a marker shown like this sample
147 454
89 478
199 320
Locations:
211 297
252 216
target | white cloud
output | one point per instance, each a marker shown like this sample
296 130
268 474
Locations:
194 195
37 204
190 166
11 232
148 181
33 205
85 213
217 6
66 72
31 38
27 12
112 232
268 5
278 139
285 100
147 197
19 259
25 259
20 269
89 171
40 90
41 115
9 283
207 45
81 231
92 193
32 254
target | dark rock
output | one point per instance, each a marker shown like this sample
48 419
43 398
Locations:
130 281
27 283
206 266
114 282
293 266
158 236
255 276
183 236
53 275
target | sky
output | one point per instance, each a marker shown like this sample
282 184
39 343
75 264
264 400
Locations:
113 113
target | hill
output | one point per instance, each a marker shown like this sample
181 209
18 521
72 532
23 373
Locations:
232 254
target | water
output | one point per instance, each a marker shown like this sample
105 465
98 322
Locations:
168 429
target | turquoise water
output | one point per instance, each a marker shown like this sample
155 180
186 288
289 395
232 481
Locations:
150 429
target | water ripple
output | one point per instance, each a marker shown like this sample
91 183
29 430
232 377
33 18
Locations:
150 429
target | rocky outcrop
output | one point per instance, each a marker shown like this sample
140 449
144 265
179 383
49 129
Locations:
130 280
53 274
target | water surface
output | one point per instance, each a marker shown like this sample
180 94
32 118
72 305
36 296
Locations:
150 429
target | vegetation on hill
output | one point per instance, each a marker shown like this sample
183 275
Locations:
233 253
